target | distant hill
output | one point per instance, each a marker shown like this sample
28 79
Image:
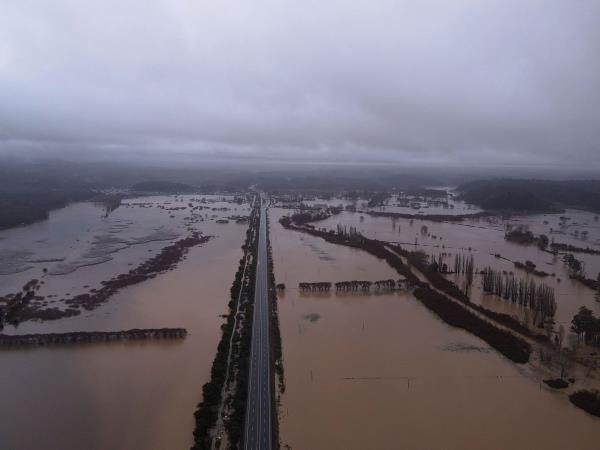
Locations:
166 187
29 192
28 206
532 195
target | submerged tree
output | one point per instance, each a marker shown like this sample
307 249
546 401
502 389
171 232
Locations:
526 292
542 241
576 267
586 326
469 269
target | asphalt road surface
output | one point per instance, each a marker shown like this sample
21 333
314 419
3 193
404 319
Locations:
257 433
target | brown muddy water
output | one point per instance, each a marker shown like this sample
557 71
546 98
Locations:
124 395
382 372
484 238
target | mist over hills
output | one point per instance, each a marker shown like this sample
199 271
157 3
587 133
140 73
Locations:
30 189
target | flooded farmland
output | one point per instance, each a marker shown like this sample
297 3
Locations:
483 238
284 225
381 371
121 395
362 370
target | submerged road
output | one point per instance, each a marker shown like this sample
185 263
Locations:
257 433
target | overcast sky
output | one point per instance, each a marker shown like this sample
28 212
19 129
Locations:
452 82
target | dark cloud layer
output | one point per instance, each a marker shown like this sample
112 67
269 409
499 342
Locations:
462 82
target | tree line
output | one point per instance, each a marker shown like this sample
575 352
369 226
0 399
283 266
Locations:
207 410
463 264
526 292
321 286
352 286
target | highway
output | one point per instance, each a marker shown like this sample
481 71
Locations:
257 433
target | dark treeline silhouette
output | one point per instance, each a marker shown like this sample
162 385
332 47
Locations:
556 383
586 326
305 217
378 199
419 260
576 266
512 347
354 285
521 235
321 286
530 267
571 248
577 272
430 217
385 284
589 401
523 291
85 337
463 264
13 305
349 233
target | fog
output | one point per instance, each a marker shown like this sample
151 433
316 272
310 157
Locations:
462 83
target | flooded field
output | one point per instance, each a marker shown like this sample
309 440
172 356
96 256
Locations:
446 204
483 238
381 371
361 370
120 395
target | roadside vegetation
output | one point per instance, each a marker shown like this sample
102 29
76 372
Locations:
276 347
207 410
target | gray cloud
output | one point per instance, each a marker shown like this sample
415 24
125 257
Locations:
463 82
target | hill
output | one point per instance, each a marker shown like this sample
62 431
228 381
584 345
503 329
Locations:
523 195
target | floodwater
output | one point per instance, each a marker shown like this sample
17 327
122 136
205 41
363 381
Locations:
382 372
483 239
138 395
405 204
